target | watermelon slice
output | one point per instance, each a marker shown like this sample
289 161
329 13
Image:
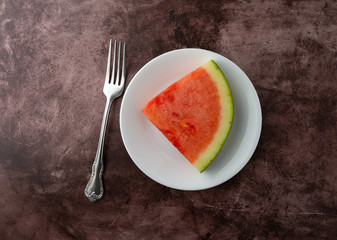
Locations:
195 114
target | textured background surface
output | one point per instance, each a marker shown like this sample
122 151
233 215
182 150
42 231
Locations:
52 66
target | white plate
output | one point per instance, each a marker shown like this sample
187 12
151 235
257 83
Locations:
155 155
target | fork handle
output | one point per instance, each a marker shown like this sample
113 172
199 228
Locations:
94 189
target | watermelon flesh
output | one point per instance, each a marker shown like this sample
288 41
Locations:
195 114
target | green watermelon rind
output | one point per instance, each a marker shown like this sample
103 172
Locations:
227 111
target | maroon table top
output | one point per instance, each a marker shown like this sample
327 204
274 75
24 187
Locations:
52 68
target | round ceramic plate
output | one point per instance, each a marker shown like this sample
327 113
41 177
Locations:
155 155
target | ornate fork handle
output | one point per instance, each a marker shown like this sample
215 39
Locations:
94 189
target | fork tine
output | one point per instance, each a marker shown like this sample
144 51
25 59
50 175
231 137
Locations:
107 77
118 64
123 68
114 63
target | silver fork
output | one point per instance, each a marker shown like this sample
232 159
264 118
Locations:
113 88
